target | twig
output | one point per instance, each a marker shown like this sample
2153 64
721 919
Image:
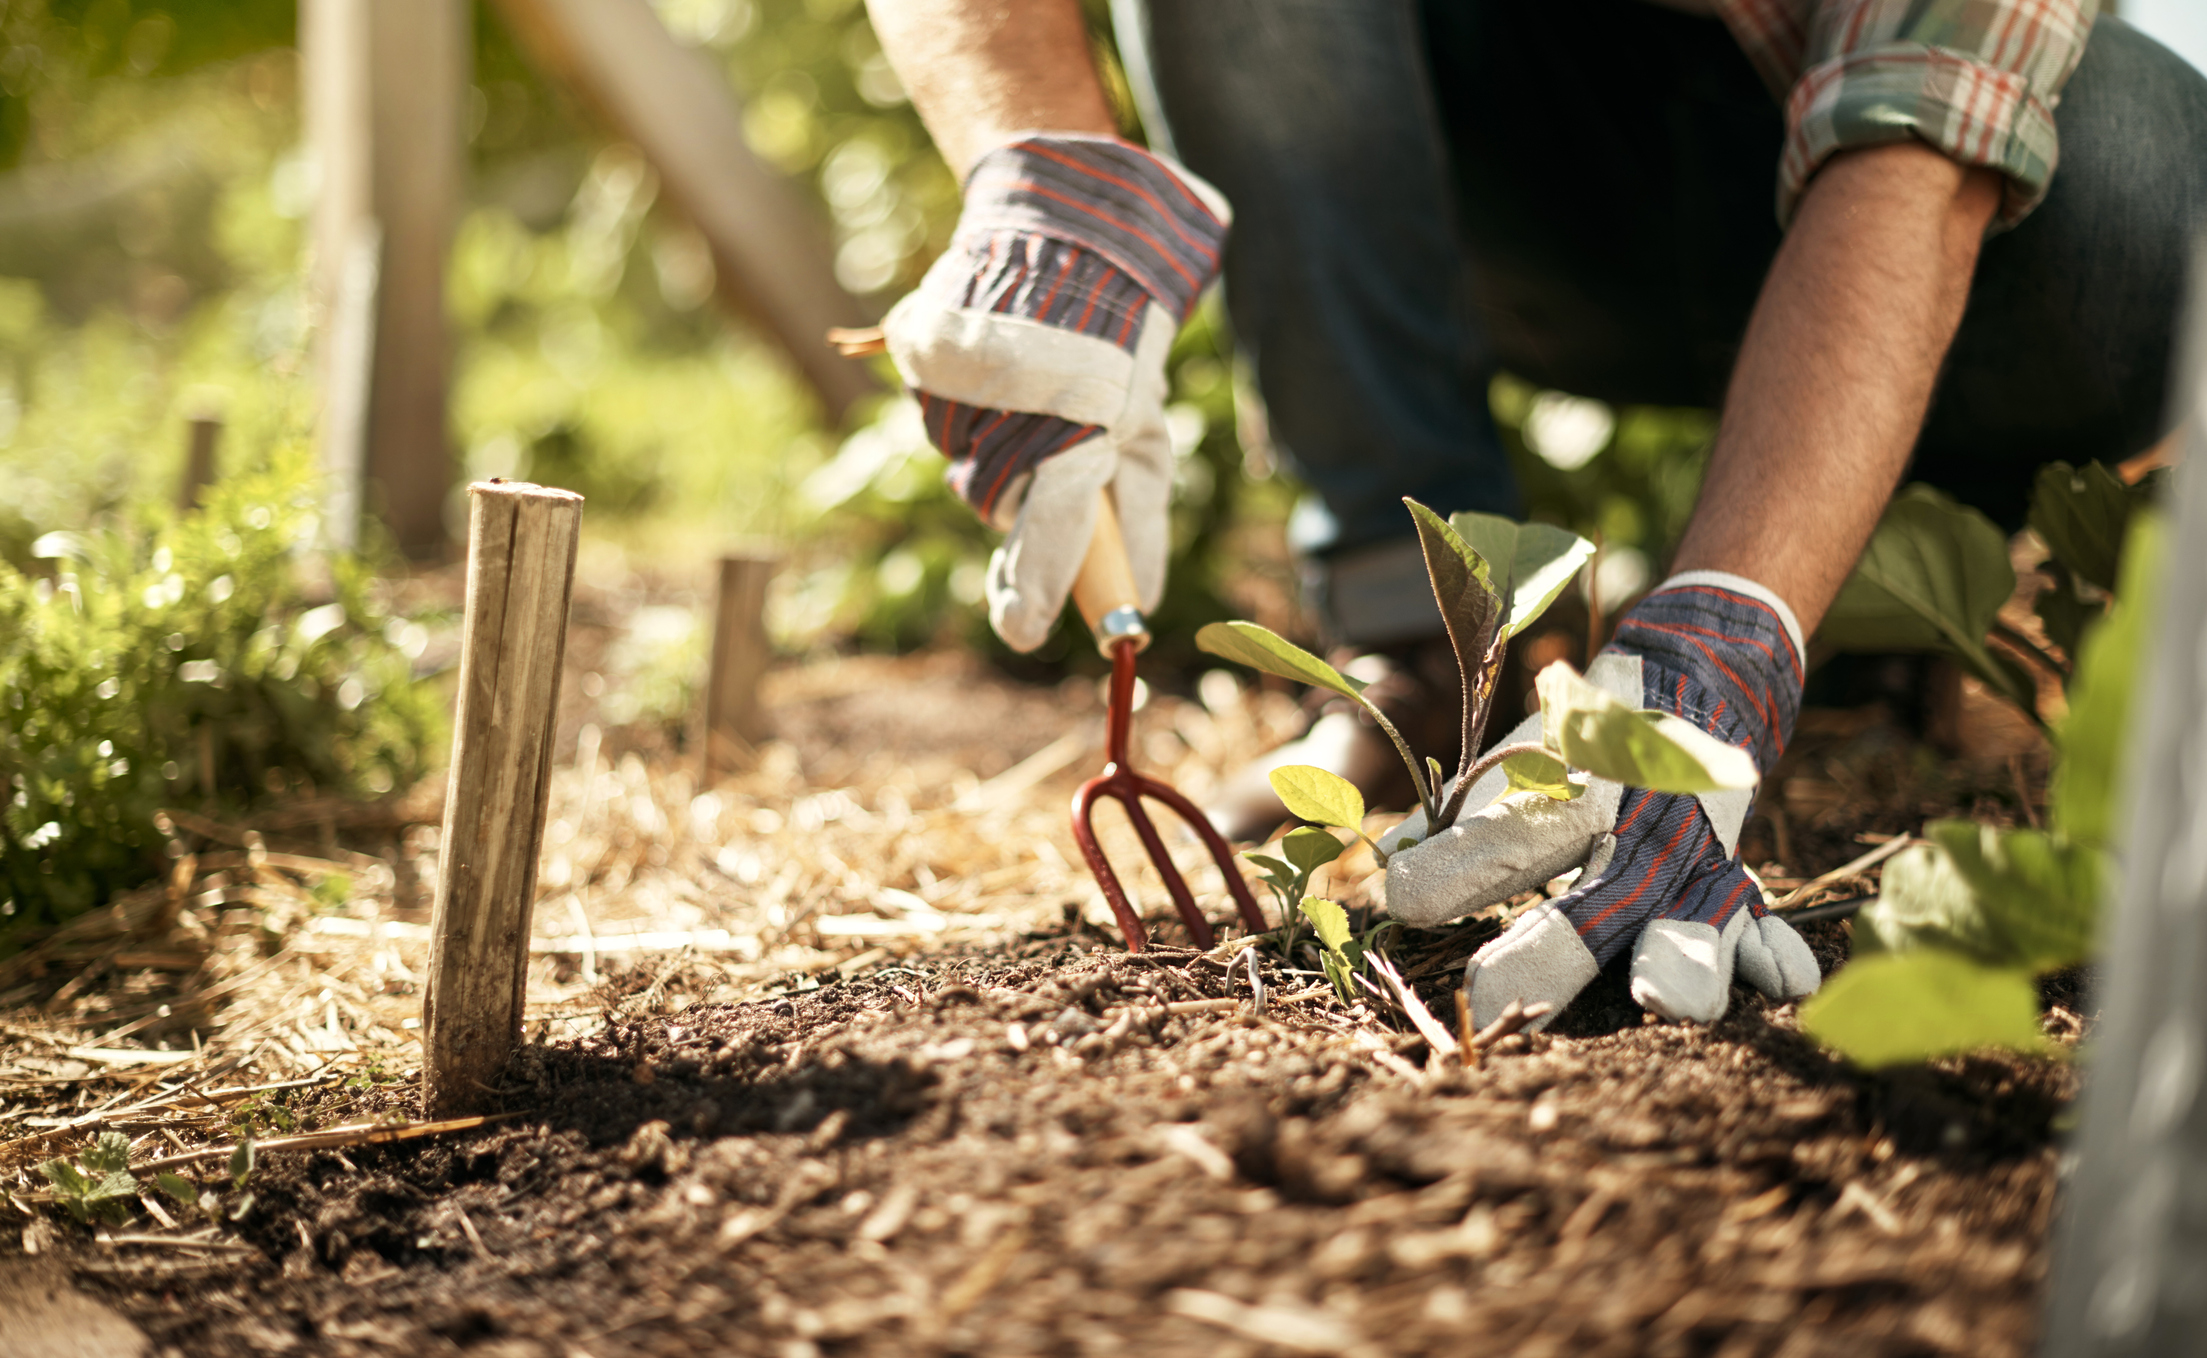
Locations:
1421 1018
337 1136
1852 868
1514 1018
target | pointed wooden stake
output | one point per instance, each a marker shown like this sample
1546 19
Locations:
520 573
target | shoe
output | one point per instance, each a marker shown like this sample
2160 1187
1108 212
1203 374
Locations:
1414 683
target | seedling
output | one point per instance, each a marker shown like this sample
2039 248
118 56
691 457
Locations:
189 1194
98 1185
1340 951
1493 578
1308 849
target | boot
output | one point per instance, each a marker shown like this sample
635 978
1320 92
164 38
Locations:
1414 683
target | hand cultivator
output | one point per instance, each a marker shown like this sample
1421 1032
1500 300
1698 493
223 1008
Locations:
1108 600
1106 596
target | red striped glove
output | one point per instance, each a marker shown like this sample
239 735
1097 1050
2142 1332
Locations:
1661 871
1036 345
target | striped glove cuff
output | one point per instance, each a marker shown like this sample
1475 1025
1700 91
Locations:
1160 227
1722 652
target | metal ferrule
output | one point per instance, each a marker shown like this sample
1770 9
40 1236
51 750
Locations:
1120 624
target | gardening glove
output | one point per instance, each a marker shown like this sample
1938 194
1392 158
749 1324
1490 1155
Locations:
1659 870
1036 345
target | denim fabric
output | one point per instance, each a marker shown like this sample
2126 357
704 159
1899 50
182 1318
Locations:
1580 191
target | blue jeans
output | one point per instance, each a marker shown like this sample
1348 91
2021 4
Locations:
1426 192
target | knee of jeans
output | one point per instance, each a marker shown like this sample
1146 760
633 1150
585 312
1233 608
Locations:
2133 130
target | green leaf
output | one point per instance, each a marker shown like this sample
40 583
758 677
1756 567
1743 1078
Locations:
2083 517
1337 971
1310 848
1471 612
1329 920
1260 649
1531 563
109 1153
1932 579
2065 617
177 1187
241 1163
1535 771
1314 794
2039 896
1893 1009
1924 901
2083 796
1276 872
2009 898
1593 731
66 1178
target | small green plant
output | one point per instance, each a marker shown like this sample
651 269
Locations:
1340 950
188 1194
1308 849
1946 956
97 1185
1492 578
205 659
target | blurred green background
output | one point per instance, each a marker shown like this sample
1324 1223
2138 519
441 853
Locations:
153 204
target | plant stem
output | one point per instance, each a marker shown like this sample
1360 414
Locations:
1478 770
1427 797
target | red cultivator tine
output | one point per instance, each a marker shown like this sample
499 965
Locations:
1120 782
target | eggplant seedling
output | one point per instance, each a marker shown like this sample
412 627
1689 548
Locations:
1492 578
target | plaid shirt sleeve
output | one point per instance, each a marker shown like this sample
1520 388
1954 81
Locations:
1977 79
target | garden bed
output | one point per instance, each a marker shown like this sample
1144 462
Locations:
900 1093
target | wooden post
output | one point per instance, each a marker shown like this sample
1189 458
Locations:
2131 1242
733 722
771 253
520 572
385 85
199 460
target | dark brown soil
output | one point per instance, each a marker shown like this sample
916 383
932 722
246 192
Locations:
884 1166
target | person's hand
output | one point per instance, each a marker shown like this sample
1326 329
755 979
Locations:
1659 870
1036 345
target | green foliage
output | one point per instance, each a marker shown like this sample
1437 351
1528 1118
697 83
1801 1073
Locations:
190 659
1340 951
1590 729
1542 772
2083 517
1532 563
1963 922
98 1185
1316 794
1308 849
1261 649
1892 1009
2084 796
1932 579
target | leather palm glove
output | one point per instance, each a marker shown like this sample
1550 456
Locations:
1660 871
1036 345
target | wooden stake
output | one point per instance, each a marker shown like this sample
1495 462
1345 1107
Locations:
199 461
733 723
520 573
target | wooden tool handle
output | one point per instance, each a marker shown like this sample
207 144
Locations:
1104 590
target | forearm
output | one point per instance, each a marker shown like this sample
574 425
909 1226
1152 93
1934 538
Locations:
1837 369
980 70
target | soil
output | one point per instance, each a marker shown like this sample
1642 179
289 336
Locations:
971 1155
1013 1145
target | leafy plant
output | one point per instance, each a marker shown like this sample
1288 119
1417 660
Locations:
190 658
1485 600
97 1185
243 1160
1340 951
1963 923
1307 849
